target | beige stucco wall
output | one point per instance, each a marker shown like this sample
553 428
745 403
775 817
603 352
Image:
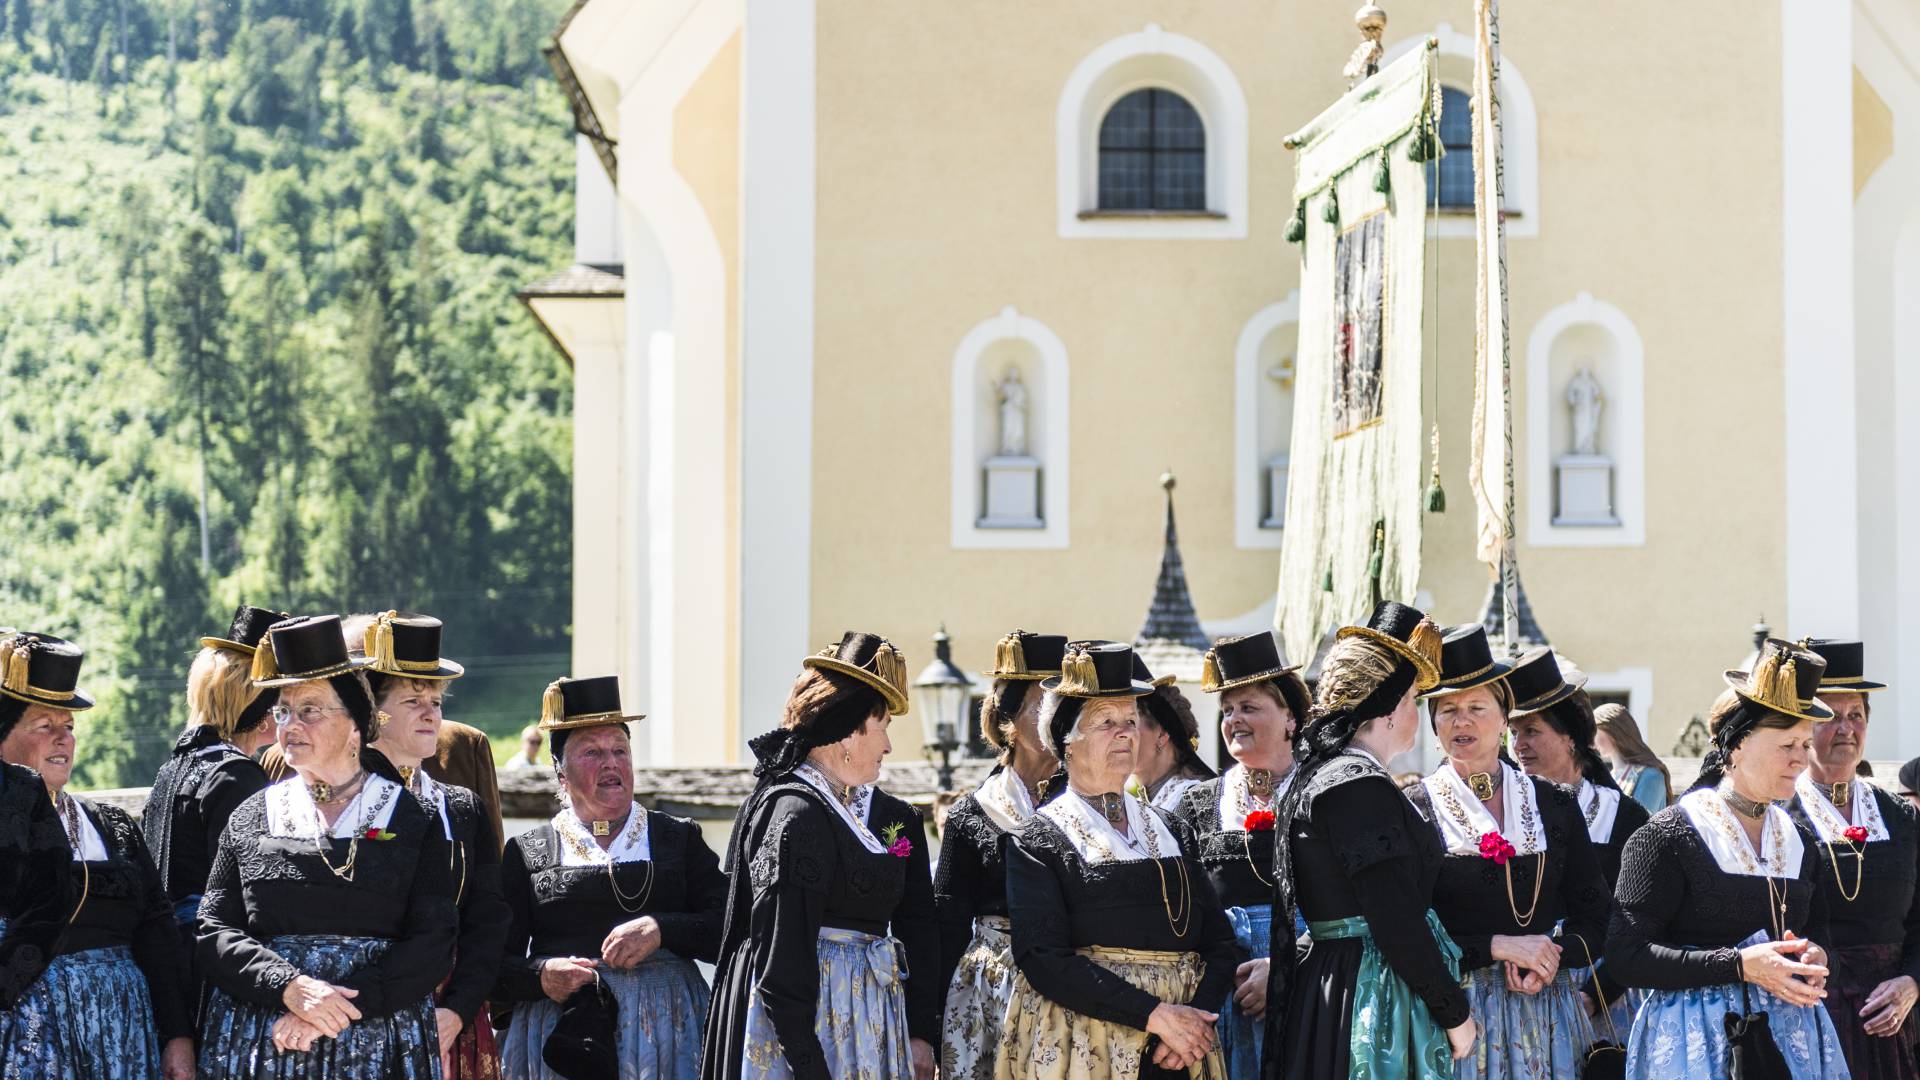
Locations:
1660 192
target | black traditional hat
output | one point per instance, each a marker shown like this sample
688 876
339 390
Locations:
1100 669
870 658
1846 666
1408 632
1240 661
248 627
1467 661
1539 682
301 650
1028 657
1785 678
408 647
576 703
41 669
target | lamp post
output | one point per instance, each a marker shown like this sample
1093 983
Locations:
943 692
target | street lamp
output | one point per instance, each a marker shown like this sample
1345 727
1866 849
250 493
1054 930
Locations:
944 693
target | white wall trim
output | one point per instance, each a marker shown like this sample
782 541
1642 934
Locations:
1817 324
1249 472
776 354
1009 325
1637 682
1151 57
1519 131
1625 401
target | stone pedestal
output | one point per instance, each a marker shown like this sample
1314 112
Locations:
1013 494
1583 490
1276 493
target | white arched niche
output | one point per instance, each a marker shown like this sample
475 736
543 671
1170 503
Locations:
1151 57
1519 131
1264 371
1590 334
1006 340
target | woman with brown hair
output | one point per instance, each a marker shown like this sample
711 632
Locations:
830 956
1718 911
1636 768
970 887
1377 993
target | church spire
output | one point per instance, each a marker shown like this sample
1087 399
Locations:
1171 620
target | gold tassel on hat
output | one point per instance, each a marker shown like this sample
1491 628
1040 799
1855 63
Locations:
1209 672
890 666
379 640
1774 680
1078 674
1008 655
1425 641
19 664
553 705
264 665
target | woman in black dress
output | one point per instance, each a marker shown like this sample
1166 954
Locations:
1262 702
1718 909
1869 848
1124 955
211 770
970 887
113 1002
830 957
34 900
1377 993
328 917
609 891
409 678
1520 890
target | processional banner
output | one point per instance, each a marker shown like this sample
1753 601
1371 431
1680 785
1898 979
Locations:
1354 496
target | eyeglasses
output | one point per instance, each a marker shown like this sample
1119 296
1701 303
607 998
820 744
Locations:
306 714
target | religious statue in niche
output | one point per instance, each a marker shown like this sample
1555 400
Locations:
1359 311
1012 396
1586 400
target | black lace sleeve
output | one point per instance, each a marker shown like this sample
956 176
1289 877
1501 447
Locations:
42 897
790 871
229 785
919 933
484 915
954 884
1042 940
1651 893
422 954
1900 815
231 957
520 973
694 934
1365 823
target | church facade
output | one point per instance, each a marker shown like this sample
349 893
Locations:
892 316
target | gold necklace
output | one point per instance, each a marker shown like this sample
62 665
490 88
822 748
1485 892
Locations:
1840 794
325 794
1778 901
1260 783
1180 923
629 902
406 775
1111 806
345 870
1539 875
1481 784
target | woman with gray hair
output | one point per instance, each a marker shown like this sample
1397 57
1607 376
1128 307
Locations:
1124 954
612 903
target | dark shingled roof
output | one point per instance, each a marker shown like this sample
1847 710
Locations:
1493 615
577 281
1170 617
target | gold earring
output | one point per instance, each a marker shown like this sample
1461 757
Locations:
383 717
846 756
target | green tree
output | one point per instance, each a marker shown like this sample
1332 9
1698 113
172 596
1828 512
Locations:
195 307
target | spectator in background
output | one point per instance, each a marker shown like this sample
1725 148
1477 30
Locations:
529 755
1636 768
1910 782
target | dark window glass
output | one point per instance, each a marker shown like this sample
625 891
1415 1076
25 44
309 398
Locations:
1153 154
1454 179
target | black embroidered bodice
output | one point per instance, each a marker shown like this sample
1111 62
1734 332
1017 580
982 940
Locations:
196 790
474 868
971 879
1885 909
1239 863
124 906
35 894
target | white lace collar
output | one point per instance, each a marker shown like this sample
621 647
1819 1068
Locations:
291 813
1463 819
1005 799
578 847
90 846
853 817
1780 846
1173 790
1599 806
1825 817
1237 800
434 794
1098 842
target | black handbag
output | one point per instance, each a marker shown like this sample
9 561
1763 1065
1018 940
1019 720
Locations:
584 1043
1751 1052
1603 1059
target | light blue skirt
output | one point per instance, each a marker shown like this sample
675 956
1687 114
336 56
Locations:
1241 1036
88 1017
1524 1036
861 1020
1682 1035
237 1039
663 1011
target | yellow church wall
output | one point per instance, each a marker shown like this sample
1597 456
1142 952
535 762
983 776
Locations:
1660 193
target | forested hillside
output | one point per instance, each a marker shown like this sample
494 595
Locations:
259 341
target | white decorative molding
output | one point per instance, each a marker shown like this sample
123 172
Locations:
1519 131
1623 423
967 455
1152 57
1249 467
1635 682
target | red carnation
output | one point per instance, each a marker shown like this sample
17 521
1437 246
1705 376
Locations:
1259 821
1494 846
1856 833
